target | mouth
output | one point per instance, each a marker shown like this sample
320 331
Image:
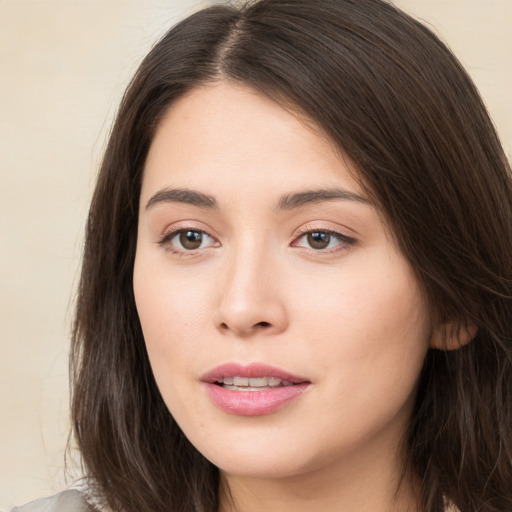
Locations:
252 383
251 377
253 390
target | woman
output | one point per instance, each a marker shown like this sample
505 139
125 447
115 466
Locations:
296 284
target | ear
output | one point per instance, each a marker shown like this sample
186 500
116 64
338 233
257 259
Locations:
452 335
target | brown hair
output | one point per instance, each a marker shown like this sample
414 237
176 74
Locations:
399 104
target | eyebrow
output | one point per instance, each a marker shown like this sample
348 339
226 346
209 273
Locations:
286 202
307 197
183 195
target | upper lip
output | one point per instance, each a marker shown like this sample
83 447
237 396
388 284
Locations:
253 370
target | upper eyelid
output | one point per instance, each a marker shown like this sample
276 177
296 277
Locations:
185 226
165 239
340 236
308 228
172 231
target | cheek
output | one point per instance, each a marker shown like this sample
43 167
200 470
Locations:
163 298
168 311
369 324
173 307
378 295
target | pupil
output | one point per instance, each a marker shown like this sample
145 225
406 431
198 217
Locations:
318 240
191 239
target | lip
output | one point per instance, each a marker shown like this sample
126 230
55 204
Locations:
252 403
253 370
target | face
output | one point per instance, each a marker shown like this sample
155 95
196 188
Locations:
285 330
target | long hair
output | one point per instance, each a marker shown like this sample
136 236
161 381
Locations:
394 99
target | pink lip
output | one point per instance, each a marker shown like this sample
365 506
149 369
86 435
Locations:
251 370
252 403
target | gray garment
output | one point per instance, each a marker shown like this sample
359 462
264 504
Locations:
66 501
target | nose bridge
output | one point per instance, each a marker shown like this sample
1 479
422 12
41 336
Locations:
250 299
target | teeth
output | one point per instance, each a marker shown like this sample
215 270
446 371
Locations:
253 383
241 381
243 388
273 382
258 382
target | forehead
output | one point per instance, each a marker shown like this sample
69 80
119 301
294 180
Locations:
228 136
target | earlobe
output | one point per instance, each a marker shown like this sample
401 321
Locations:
453 335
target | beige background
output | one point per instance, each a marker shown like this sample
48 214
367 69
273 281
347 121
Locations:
63 67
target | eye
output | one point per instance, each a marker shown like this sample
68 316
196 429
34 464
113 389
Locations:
320 240
184 240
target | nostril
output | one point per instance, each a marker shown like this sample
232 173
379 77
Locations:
226 327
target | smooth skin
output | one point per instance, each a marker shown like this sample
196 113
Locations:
313 286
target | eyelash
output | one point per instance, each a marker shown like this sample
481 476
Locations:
166 239
345 242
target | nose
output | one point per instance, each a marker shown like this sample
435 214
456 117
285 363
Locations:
251 298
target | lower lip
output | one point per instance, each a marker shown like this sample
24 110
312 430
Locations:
254 403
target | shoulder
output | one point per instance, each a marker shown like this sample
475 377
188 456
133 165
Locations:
71 500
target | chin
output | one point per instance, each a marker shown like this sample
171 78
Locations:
261 459
270 468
